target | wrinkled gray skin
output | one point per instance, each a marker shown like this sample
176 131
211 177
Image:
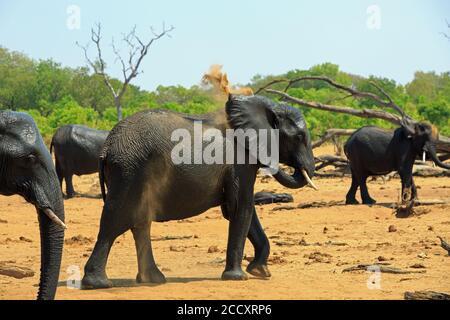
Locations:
374 151
26 168
144 185
77 149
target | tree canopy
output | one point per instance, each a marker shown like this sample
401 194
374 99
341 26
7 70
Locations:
56 95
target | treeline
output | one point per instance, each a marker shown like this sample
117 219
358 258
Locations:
55 95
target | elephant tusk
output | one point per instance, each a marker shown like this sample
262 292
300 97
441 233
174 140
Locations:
424 156
308 179
54 218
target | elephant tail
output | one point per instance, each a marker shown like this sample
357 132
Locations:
101 175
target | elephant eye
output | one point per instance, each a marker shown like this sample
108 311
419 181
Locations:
30 159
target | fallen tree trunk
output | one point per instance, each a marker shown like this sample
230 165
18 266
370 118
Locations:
420 169
336 203
332 174
381 268
426 295
429 171
15 271
330 160
330 134
430 202
442 145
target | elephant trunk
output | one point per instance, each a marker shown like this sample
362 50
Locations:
50 210
432 151
52 239
294 181
299 179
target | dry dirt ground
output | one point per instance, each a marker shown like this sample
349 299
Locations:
309 247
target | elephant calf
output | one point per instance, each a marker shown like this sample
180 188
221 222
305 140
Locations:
77 149
26 169
145 184
375 151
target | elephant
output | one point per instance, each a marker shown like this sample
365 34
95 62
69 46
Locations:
374 151
26 169
77 149
145 185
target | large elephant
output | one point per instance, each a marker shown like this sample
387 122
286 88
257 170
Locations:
144 184
374 151
77 149
26 169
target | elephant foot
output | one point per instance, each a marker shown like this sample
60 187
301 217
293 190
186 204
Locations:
90 282
259 270
369 201
236 275
153 276
351 201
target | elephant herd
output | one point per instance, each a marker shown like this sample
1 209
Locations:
140 184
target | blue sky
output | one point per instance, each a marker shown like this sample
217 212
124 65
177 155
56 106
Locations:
248 37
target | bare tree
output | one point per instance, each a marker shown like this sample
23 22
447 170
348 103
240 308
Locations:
447 35
138 49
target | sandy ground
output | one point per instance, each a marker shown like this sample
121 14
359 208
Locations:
309 247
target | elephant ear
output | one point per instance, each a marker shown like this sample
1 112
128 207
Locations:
245 112
254 112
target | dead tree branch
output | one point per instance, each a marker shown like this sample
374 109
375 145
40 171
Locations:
381 268
330 133
363 113
447 35
385 101
138 49
329 160
388 103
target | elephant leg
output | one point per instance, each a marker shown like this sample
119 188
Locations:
112 225
351 195
148 271
70 192
237 233
256 235
366 199
408 187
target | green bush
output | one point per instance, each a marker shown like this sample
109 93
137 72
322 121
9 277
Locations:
68 111
55 95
